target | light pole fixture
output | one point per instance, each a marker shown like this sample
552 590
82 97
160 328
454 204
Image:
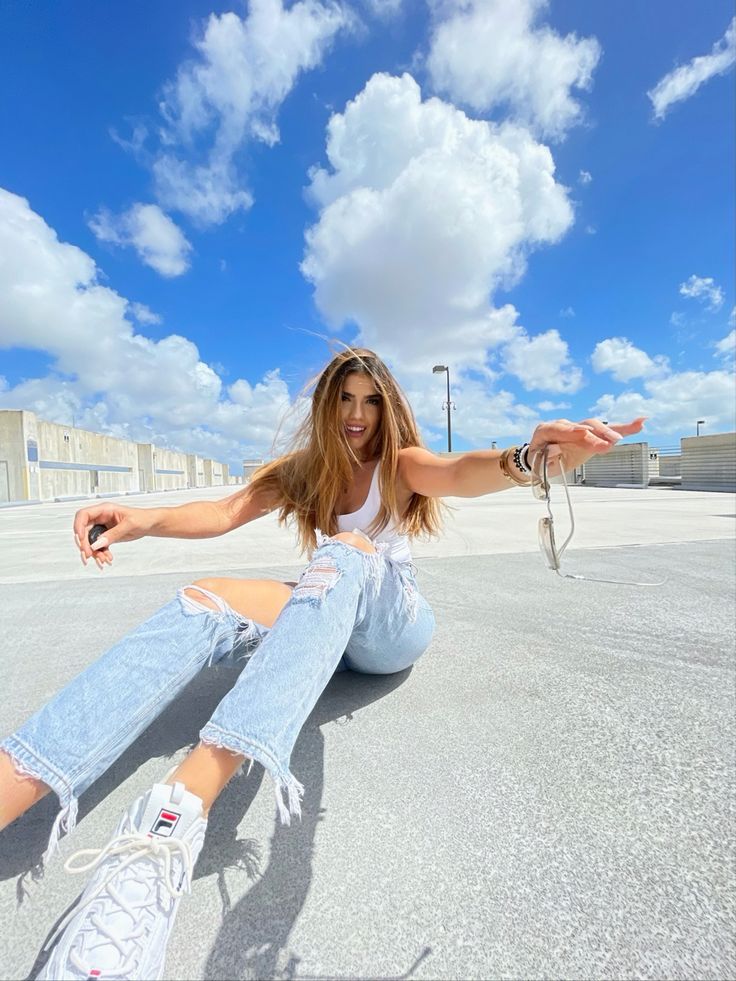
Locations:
437 370
698 424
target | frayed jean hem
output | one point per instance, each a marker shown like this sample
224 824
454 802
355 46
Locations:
29 764
288 791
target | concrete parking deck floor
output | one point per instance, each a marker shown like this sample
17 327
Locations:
547 793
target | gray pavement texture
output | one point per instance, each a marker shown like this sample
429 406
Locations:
547 793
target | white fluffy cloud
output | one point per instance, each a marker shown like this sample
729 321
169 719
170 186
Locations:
106 376
685 80
726 347
542 362
158 240
230 93
548 406
143 314
673 403
480 416
424 213
384 9
703 288
492 53
625 361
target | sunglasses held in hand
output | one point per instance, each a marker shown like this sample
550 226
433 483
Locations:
547 542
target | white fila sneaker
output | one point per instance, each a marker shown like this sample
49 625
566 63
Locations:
122 923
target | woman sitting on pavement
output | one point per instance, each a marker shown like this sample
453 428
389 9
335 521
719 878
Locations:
358 486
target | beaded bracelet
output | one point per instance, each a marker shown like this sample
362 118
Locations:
503 462
521 458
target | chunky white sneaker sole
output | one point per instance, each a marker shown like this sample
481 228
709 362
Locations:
122 923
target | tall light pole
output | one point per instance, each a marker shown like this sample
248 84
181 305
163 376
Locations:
698 424
437 370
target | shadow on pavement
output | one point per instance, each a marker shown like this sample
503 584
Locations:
256 930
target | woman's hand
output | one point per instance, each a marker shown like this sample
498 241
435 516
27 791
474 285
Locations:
577 442
123 524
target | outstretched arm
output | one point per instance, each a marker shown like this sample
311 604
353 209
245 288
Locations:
198 519
478 472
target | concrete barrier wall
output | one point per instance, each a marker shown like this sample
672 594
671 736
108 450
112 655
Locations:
669 466
626 464
195 470
709 462
13 459
43 461
75 462
170 469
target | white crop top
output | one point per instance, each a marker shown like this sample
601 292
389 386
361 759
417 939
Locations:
398 544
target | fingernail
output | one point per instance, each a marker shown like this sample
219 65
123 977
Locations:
100 543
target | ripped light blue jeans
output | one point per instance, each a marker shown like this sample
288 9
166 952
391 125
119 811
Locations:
350 610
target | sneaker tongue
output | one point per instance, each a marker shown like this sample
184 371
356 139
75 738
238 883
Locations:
169 811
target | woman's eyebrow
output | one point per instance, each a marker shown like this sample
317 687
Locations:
373 395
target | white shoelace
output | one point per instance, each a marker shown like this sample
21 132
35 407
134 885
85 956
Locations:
138 846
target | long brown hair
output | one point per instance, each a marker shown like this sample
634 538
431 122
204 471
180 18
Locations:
308 480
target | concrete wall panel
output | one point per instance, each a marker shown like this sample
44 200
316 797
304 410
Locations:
13 462
669 466
146 477
709 462
76 462
42 460
195 470
170 468
627 464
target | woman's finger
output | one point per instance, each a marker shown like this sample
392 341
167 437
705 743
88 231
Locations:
629 428
583 434
550 432
103 554
603 431
82 524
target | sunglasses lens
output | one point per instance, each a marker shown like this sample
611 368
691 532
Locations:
547 542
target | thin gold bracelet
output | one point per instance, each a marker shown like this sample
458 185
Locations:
502 468
503 462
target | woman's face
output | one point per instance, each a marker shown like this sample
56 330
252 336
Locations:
361 411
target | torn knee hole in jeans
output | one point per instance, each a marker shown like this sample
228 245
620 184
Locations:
192 604
225 621
317 581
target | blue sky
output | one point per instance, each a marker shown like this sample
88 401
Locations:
194 196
